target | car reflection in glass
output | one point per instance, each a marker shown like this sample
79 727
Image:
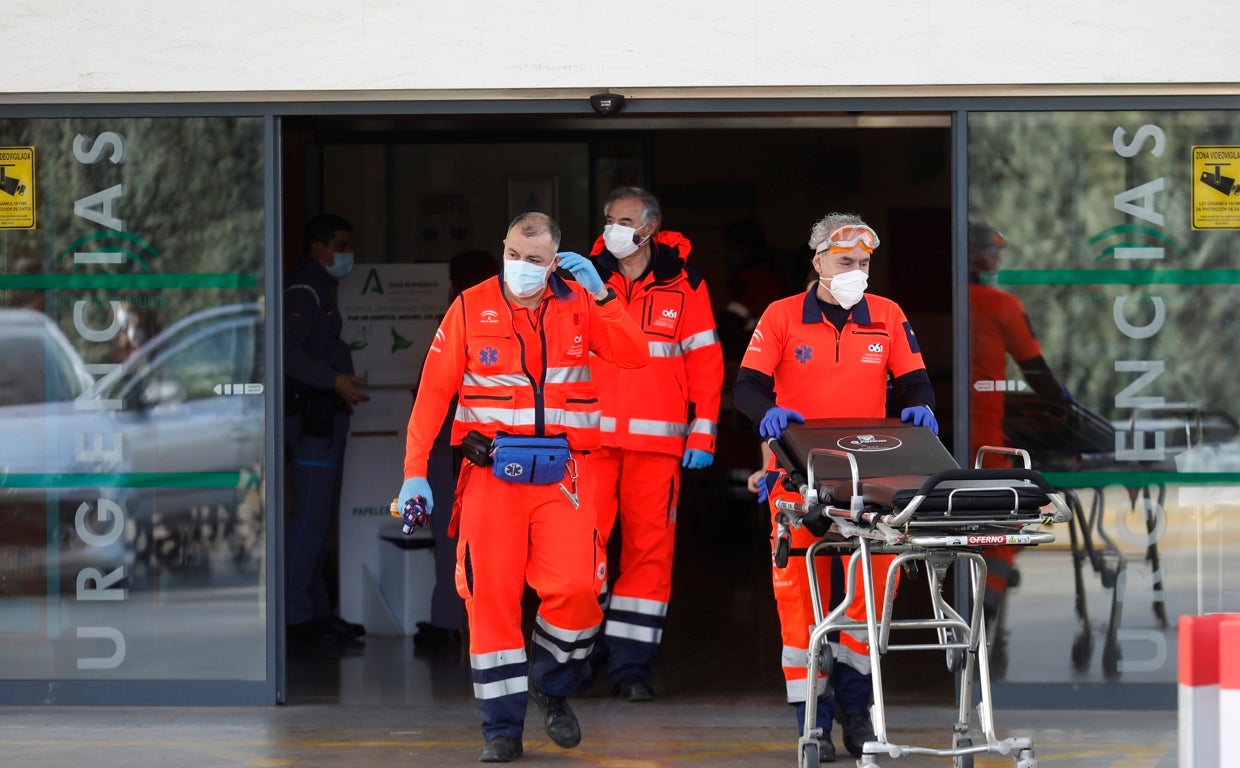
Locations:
173 436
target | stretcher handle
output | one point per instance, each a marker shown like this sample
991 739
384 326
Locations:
784 460
1013 473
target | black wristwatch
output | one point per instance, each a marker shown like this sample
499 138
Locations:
611 296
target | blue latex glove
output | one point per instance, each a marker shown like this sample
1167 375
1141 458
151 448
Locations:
921 416
763 491
776 420
1067 396
695 459
582 269
416 486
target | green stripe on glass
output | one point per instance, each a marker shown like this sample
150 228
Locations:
126 480
47 282
1118 277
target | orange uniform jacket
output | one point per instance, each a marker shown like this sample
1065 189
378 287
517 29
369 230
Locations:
673 403
824 373
998 326
518 371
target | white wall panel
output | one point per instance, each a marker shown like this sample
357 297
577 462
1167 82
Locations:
322 46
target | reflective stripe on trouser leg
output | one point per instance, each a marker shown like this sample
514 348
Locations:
510 533
648 488
563 570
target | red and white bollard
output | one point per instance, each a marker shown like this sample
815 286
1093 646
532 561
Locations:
1200 694
1229 692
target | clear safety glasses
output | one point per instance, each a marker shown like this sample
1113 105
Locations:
849 236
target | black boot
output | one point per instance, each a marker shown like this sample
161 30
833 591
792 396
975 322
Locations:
857 729
558 718
500 749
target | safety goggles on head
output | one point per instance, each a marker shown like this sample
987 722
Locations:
849 236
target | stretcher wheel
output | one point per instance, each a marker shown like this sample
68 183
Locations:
1025 759
809 755
963 761
782 548
955 659
1082 651
825 660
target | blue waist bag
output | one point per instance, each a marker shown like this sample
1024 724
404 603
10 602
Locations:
529 459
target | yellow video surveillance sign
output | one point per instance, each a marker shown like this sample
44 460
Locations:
17 185
1216 195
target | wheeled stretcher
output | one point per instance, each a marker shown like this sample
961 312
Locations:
884 487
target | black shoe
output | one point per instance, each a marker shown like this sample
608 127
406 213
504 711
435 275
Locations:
857 729
826 750
431 636
500 749
634 689
345 627
558 718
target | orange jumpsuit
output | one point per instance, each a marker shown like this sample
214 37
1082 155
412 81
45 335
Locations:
651 415
522 372
821 372
998 327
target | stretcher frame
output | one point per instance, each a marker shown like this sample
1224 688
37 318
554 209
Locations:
939 540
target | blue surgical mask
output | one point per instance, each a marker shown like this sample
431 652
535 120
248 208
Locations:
525 279
342 264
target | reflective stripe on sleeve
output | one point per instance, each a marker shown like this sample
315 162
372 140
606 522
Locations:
703 427
639 605
658 428
699 340
664 349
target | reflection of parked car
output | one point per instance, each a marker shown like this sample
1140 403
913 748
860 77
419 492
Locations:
169 435
37 362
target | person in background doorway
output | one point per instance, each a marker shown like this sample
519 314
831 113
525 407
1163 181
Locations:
657 421
828 353
447 620
320 393
752 287
515 353
999 327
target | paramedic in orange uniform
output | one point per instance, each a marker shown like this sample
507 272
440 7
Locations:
656 421
828 353
998 327
515 349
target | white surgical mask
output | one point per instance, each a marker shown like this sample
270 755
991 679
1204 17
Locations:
621 240
525 279
342 264
847 287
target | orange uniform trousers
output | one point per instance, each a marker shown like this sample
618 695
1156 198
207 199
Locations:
795 605
510 535
640 488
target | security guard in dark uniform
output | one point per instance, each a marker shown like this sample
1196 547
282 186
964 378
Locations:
320 392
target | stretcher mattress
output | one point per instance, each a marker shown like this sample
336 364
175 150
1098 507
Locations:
898 462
